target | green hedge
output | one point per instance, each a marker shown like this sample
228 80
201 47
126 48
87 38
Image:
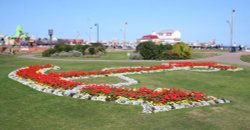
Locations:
149 50
92 49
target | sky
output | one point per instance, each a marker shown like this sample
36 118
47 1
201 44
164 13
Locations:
197 20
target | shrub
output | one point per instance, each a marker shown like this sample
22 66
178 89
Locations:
76 53
63 47
81 48
183 50
48 52
78 47
92 50
68 48
64 54
148 50
135 56
67 54
99 47
84 48
169 55
162 48
59 47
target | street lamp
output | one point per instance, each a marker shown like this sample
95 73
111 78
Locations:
50 32
97 31
124 34
231 25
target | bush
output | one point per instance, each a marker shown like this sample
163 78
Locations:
92 50
68 48
76 53
183 50
67 54
135 56
169 55
99 47
59 47
63 47
162 48
48 52
148 50
81 48
78 47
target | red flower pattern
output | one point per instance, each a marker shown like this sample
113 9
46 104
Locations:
54 80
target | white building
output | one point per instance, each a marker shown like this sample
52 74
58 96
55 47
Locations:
165 37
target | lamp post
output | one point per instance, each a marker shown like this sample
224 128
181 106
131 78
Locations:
50 31
231 28
124 34
97 31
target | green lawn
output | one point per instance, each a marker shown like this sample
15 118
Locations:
197 55
111 55
102 80
245 58
122 55
24 108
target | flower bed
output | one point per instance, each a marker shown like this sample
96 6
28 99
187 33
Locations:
152 100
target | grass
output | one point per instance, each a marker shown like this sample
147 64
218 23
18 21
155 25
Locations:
197 55
111 55
24 108
122 55
102 80
245 58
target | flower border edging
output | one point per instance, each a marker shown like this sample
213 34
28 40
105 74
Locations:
147 106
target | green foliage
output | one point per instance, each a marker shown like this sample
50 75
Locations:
78 47
148 50
34 109
92 50
99 47
162 48
59 47
182 50
169 55
48 52
135 56
81 48
63 47
245 58
68 48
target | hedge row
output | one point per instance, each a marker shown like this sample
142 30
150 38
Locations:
151 51
91 49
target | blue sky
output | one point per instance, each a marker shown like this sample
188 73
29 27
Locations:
197 20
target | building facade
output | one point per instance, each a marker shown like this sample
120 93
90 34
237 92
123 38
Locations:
169 36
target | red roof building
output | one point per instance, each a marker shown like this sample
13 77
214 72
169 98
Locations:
164 37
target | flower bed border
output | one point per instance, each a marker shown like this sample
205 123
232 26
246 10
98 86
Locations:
147 107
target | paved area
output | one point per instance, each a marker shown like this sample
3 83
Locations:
225 57
232 58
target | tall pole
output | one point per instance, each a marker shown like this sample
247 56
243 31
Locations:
50 32
232 27
97 31
124 34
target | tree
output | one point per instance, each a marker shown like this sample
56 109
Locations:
148 50
182 50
